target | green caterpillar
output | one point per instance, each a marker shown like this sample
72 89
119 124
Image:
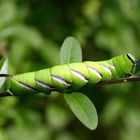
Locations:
73 76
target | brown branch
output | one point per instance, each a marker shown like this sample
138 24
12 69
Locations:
5 93
110 82
123 80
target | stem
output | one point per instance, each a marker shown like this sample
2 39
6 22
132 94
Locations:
5 93
123 80
110 82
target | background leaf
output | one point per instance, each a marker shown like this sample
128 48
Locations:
83 108
33 38
70 51
80 105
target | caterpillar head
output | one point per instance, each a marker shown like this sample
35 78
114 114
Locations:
125 65
132 63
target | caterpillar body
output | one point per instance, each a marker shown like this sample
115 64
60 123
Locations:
73 76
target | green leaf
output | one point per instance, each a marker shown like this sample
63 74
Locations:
3 69
70 51
83 109
80 105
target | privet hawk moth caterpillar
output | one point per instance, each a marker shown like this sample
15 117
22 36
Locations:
73 76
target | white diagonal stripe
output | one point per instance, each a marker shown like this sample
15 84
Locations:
60 80
27 87
95 71
42 84
106 68
78 74
112 66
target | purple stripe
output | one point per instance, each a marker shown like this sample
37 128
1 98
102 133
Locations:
112 66
43 84
131 59
28 87
96 72
106 69
60 80
80 75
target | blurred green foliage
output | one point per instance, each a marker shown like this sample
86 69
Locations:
32 32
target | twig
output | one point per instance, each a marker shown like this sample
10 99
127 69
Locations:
110 82
5 93
123 80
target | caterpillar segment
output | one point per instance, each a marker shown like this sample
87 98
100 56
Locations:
73 76
23 83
